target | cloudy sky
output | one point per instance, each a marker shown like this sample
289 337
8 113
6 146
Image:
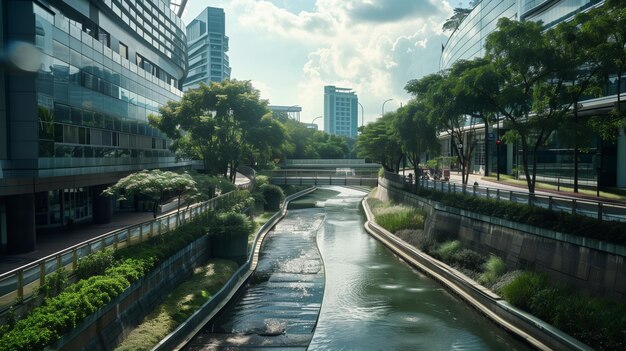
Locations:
291 49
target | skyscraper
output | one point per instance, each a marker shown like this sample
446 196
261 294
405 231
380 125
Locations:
340 111
80 121
207 45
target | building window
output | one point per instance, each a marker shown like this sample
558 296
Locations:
124 51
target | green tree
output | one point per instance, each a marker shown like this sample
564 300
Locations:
448 113
156 184
457 18
213 123
579 64
531 94
269 141
415 133
377 142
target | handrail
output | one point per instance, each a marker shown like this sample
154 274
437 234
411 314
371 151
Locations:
22 282
603 211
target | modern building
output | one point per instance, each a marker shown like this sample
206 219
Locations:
207 45
340 111
284 112
603 160
80 122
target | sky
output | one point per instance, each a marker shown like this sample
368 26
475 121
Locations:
291 49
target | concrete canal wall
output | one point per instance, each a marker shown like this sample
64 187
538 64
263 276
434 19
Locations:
590 265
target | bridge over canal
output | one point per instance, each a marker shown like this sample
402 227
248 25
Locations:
346 172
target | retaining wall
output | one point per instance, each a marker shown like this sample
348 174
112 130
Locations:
590 265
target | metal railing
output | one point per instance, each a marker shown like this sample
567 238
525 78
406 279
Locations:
23 282
312 173
600 210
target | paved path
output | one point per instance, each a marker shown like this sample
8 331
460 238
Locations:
57 239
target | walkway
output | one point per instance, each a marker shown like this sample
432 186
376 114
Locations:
58 239
456 178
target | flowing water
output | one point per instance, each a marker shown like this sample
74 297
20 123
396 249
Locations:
371 299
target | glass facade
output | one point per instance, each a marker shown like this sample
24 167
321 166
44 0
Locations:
81 122
93 102
207 47
556 158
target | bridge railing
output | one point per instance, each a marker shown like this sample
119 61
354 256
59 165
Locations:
596 209
23 282
312 173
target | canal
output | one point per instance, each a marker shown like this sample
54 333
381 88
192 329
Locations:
323 282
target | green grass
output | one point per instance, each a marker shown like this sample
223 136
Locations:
179 305
395 217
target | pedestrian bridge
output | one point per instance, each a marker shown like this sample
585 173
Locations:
346 172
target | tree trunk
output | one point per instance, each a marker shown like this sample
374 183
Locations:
487 170
576 146
155 207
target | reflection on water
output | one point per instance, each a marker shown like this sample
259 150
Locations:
374 301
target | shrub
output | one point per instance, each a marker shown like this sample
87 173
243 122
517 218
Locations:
273 196
96 263
467 259
232 224
46 323
493 270
416 238
447 249
55 283
505 280
522 289
261 180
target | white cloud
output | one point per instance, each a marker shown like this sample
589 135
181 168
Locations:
371 46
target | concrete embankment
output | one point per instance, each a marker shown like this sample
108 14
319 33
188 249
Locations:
531 329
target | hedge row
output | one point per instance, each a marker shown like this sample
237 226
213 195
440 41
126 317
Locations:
47 323
582 226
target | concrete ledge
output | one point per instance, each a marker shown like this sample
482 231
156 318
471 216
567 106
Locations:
177 339
534 331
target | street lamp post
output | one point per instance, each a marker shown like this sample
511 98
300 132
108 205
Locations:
362 114
315 119
383 109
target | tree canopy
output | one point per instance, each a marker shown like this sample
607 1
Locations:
155 184
216 123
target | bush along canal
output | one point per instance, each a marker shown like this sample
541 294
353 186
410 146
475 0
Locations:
360 297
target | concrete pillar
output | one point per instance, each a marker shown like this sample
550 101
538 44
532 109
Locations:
102 206
21 234
621 160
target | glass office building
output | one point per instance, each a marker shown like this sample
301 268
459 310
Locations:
207 45
340 111
602 160
80 122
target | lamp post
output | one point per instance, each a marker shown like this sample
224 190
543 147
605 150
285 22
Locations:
383 109
315 119
362 114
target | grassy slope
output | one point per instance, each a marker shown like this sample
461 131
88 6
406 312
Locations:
179 304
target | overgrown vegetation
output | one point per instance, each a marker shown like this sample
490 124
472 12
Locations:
179 305
272 195
395 217
599 323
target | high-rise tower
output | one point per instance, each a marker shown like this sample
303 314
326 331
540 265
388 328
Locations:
340 111
207 45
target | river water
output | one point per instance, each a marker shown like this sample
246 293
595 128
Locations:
348 292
